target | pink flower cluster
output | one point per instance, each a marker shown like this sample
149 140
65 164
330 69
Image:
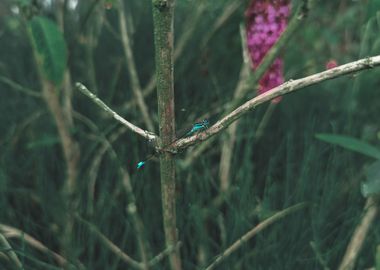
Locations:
266 20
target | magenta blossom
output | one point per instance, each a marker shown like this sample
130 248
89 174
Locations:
266 20
331 64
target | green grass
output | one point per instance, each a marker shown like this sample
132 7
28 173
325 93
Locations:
286 166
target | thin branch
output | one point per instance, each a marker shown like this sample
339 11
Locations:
246 237
132 70
106 146
144 133
132 210
7 249
159 257
125 257
88 14
229 142
190 27
15 86
194 154
109 244
70 146
285 88
9 232
227 13
265 120
353 249
319 256
93 169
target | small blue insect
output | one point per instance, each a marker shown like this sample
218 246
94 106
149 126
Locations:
197 127
140 165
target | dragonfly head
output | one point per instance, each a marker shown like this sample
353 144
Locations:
205 122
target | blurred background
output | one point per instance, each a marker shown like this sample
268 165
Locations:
284 166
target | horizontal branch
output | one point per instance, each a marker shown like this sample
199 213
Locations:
285 88
18 87
144 133
254 231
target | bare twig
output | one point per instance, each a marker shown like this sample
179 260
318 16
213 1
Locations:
135 82
7 249
144 133
15 86
194 154
227 13
126 181
287 87
264 121
261 226
357 240
132 211
70 147
110 245
125 257
229 142
9 232
318 254
98 157
67 102
190 26
159 257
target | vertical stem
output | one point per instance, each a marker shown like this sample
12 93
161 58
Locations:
132 69
71 154
163 14
361 231
229 142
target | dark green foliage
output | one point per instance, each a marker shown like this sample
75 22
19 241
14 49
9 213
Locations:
284 167
351 144
50 46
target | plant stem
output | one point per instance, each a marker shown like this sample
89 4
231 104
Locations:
132 69
357 240
163 15
261 226
8 250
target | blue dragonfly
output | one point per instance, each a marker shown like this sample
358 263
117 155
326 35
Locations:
197 127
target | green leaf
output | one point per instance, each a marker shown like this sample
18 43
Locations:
373 7
351 143
372 184
50 47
